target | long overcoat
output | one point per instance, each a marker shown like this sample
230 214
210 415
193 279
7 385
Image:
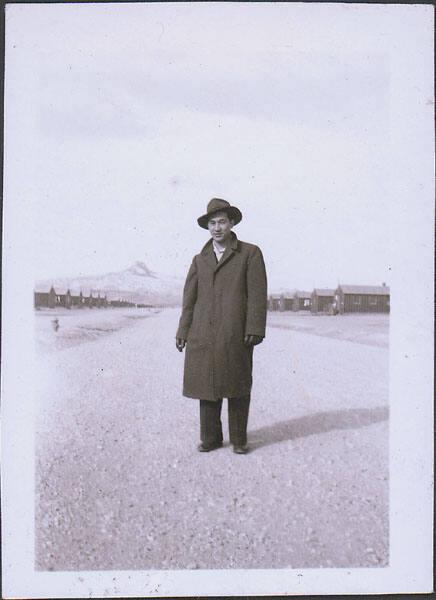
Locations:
222 303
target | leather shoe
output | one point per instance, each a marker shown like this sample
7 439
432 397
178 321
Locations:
208 447
240 449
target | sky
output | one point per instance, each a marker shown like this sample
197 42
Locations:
129 118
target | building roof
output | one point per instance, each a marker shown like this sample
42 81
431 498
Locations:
112 295
324 292
75 292
41 288
283 294
85 292
374 290
303 294
61 290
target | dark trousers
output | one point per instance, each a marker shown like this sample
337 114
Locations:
211 430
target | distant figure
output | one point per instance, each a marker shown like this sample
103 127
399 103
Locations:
55 324
223 317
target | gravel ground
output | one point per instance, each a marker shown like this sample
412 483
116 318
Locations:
120 484
368 329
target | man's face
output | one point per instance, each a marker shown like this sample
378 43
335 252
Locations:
220 227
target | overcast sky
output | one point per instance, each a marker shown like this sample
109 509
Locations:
134 115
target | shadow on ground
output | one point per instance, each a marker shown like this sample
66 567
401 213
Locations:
320 422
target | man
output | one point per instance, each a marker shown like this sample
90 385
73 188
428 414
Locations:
223 317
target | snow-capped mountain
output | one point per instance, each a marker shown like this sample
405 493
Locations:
136 284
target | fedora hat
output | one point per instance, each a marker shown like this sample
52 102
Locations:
218 205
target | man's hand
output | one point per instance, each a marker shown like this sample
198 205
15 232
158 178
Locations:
252 340
180 344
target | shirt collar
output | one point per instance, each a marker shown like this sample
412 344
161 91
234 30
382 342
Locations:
208 247
217 249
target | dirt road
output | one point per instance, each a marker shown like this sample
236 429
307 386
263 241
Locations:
121 486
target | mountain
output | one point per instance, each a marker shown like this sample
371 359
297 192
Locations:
136 284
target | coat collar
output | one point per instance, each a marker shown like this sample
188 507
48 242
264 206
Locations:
209 255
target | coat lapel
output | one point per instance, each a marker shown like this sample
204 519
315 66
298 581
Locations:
224 258
209 255
230 250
